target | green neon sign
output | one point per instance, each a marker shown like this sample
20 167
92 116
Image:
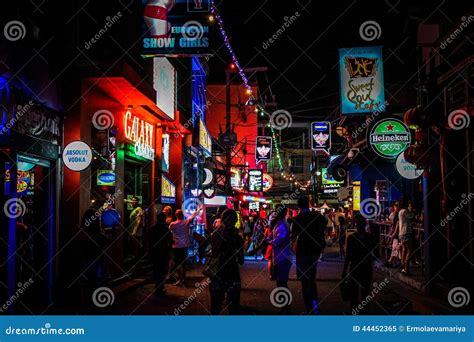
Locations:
389 137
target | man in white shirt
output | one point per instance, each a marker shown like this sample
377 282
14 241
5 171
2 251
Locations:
181 242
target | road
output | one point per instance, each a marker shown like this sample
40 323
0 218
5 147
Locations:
392 297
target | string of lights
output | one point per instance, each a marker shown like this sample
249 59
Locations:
226 39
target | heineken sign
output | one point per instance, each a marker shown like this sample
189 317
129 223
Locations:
389 137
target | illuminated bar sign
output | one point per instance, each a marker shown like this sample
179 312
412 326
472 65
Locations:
205 140
255 180
356 197
389 137
263 149
361 76
176 28
321 136
140 133
328 184
165 153
168 191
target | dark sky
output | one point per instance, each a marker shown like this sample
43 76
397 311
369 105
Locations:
303 61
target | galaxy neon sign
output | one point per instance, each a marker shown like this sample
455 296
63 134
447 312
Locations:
140 132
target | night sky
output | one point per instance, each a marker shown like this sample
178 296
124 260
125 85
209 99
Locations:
303 61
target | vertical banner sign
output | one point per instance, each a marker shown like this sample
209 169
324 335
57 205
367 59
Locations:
164 83
176 27
255 180
263 149
321 136
165 153
168 191
356 198
362 87
205 139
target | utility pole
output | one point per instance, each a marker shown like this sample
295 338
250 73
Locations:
229 135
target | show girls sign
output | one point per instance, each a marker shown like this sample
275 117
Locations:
176 27
361 73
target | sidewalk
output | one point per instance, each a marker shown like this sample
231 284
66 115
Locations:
395 298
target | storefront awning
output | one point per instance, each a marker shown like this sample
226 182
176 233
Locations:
125 86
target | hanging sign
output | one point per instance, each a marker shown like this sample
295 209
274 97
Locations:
255 180
205 139
361 73
165 153
168 191
356 197
321 136
263 149
164 83
405 169
267 182
389 137
328 184
77 156
176 28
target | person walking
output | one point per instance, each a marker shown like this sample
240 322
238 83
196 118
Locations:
281 250
405 230
227 253
161 241
307 234
181 242
137 222
358 262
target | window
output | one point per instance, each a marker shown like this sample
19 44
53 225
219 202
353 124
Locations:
296 164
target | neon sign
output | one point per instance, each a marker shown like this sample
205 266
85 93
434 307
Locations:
141 133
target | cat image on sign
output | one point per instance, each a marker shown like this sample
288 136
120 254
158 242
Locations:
321 138
263 151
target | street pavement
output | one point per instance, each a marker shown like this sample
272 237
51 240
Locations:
394 297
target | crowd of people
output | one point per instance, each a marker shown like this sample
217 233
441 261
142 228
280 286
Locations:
284 238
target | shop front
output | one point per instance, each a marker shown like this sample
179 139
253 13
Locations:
129 136
30 140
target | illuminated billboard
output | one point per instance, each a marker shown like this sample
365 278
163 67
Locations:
361 77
